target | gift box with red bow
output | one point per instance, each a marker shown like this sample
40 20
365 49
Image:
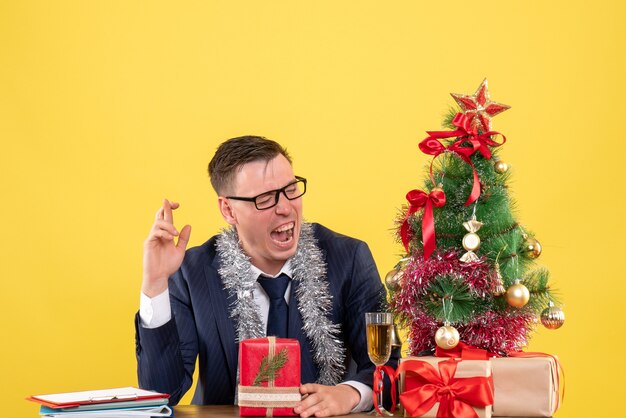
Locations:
269 377
526 384
440 387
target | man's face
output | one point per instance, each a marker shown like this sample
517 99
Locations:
269 237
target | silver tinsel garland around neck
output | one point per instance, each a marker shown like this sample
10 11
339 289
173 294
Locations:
312 294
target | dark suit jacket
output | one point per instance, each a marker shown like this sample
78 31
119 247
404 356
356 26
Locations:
201 325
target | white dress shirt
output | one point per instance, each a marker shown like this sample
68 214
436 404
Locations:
155 312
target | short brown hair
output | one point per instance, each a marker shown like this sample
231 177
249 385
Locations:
233 153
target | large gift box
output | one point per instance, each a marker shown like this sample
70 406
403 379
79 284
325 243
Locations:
269 377
525 386
441 387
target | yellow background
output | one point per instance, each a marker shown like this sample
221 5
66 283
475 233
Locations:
106 107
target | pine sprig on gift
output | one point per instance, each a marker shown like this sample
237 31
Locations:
269 369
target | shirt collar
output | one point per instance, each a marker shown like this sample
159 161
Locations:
286 269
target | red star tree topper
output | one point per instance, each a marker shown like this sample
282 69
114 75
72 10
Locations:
479 107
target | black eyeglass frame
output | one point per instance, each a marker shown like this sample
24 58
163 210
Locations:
276 193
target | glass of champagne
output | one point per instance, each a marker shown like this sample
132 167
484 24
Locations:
379 327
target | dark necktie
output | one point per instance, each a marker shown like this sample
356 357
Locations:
278 315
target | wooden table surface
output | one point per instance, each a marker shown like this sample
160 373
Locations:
231 411
224 411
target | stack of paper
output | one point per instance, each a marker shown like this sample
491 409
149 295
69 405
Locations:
115 403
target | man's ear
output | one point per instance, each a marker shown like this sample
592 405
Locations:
227 211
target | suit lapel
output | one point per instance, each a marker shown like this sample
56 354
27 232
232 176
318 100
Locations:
308 370
294 328
220 301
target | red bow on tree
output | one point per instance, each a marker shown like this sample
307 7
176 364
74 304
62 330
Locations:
456 396
468 135
418 199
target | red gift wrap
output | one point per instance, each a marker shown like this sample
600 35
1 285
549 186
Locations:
269 377
526 384
439 387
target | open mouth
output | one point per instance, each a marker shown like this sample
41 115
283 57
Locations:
284 233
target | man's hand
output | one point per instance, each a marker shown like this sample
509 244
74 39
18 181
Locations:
161 255
327 401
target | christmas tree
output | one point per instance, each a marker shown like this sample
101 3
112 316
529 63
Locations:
470 271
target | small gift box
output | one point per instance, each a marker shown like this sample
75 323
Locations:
440 387
269 377
525 386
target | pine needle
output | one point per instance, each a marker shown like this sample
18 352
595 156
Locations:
456 293
269 369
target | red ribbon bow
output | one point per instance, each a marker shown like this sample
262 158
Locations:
418 199
378 386
469 352
468 135
456 396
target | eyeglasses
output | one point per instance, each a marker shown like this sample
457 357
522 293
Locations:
269 199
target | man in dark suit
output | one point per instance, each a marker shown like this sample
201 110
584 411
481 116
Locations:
269 272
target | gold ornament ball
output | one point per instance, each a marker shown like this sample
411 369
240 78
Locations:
552 317
447 337
517 295
471 241
532 248
501 167
393 279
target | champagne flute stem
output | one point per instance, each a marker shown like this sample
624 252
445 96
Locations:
380 390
